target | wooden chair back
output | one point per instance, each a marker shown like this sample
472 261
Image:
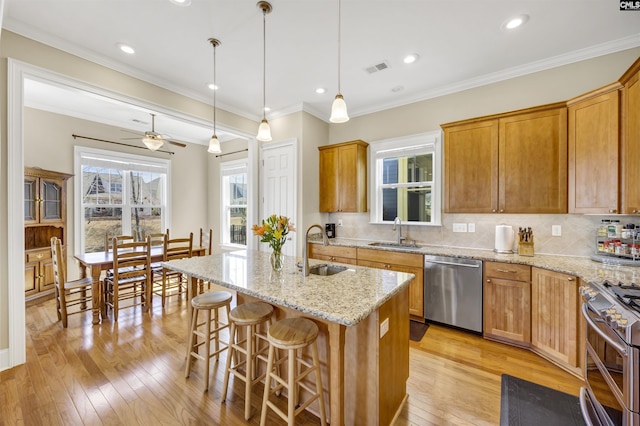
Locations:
206 240
108 240
178 248
131 259
59 267
68 293
157 239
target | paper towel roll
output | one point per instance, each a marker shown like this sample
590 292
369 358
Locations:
504 239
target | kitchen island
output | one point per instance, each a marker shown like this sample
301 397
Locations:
362 314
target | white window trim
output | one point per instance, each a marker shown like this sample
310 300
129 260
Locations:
405 145
229 168
145 163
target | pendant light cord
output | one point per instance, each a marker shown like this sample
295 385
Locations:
264 63
215 88
339 39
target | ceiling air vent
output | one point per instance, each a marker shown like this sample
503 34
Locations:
378 67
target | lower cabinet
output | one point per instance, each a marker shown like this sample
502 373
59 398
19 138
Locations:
507 303
400 262
555 320
38 272
330 253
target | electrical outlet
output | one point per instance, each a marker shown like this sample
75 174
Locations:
471 227
339 222
384 327
556 230
459 227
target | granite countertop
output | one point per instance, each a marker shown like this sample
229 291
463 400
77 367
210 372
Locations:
345 298
583 267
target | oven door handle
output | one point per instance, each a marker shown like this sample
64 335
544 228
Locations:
617 346
583 407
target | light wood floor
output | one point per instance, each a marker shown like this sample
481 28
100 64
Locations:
133 373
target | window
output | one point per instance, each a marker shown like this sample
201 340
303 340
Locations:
406 179
233 218
118 194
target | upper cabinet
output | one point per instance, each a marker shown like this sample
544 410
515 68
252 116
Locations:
44 196
631 140
507 163
343 177
593 151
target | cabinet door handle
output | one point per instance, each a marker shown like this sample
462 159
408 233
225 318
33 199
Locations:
570 279
613 211
488 281
507 271
493 210
501 210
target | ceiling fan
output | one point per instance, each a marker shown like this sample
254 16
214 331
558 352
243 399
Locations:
154 140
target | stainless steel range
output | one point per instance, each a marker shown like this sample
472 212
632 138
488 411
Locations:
612 392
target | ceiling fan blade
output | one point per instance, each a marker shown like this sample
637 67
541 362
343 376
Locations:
180 144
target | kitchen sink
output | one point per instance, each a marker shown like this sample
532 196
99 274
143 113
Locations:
325 270
394 245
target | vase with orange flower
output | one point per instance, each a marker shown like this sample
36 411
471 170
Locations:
274 231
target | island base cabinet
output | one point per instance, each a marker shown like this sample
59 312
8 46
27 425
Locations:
555 318
364 375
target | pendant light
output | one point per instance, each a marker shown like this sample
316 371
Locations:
339 107
214 144
264 131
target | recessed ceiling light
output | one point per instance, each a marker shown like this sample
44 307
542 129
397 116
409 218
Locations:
397 89
409 59
181 2
515 22
126 48
212 86
320 90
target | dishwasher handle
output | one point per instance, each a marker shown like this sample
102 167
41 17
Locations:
442 262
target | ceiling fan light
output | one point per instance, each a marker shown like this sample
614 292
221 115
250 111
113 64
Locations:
214 145
153 144
339 110
264 131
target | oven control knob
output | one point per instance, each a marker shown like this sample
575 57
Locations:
621 323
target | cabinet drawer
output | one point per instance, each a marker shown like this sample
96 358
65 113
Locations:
331 251
508 271
391 257
36 256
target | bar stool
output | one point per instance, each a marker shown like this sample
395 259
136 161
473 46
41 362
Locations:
291 334
209 302
250 315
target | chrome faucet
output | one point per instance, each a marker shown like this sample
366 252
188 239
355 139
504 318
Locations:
325 241
398 222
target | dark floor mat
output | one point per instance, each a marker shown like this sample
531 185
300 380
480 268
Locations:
523 403
417 330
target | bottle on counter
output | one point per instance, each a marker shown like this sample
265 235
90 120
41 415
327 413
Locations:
614 230
603 229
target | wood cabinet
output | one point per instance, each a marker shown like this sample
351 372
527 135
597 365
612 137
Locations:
593 136
631 140
343 177
507 302
45 216
331 253
412 263
508 163
555 317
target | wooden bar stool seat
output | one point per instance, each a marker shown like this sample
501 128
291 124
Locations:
292 334
252 316
210 303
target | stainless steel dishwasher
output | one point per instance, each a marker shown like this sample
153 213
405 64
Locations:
453 292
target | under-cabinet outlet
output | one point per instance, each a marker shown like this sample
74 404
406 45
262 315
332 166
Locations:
459 227
471 227
556 230
339 222
384 327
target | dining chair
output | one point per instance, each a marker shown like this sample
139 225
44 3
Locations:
157 241
68 293
176 248
131 277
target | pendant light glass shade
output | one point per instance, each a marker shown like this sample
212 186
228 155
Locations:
153 143
214 143
339 107
339 110
264 131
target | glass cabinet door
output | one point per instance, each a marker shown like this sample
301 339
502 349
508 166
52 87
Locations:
51 198
30 199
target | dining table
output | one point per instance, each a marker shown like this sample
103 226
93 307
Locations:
92 264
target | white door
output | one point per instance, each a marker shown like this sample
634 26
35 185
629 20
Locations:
278 177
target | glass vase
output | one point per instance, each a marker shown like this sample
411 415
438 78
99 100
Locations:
277 260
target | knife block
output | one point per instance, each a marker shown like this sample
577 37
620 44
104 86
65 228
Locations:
525 248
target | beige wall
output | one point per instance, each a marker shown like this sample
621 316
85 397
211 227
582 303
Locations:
544 87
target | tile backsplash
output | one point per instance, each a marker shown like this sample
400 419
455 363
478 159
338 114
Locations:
577 239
